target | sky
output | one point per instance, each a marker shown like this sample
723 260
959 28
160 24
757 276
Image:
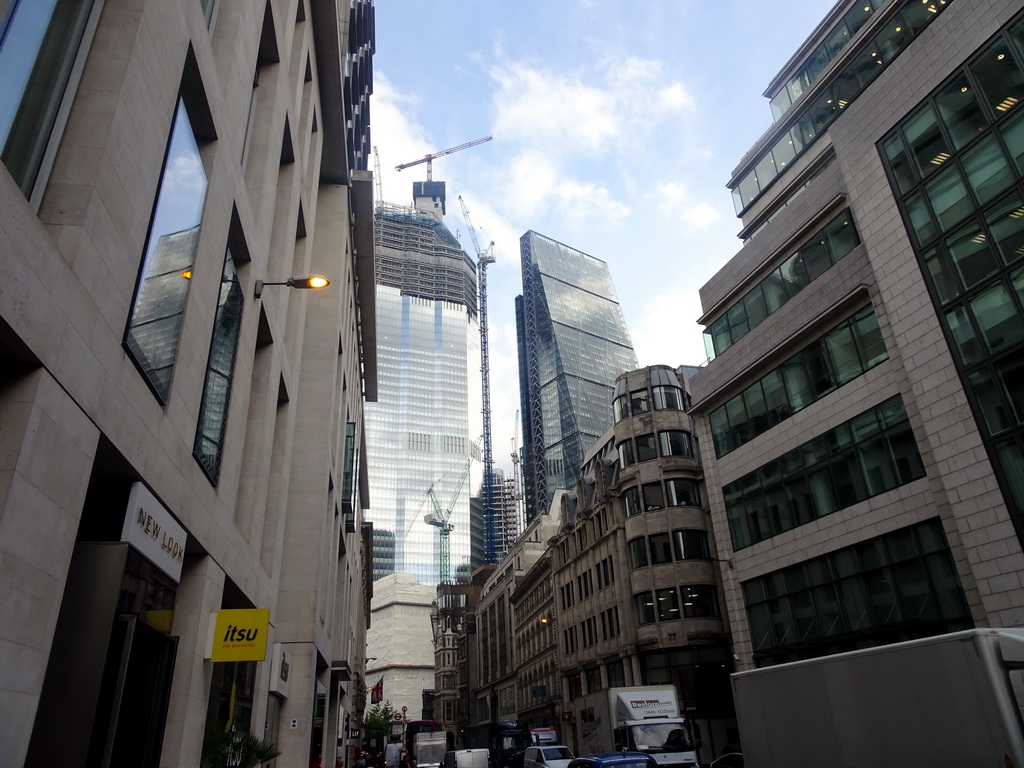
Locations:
616 125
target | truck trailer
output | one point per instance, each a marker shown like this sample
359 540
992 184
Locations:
641 719
949 700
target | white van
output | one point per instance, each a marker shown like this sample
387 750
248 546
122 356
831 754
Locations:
468 758
543 736
393 754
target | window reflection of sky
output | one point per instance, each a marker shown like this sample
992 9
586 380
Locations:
18 52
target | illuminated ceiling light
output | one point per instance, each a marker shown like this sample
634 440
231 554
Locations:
1018 214
964 89
1000 57
978 238
940 158
1006 103
842 103
932 9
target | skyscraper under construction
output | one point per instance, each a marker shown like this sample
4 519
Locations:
423 432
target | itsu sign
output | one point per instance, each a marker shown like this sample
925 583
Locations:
150 528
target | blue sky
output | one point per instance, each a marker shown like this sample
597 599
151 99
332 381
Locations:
616 125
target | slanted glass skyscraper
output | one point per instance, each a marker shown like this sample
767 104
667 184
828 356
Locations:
423 431
573 343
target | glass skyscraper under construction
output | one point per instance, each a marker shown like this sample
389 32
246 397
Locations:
423 431
573 343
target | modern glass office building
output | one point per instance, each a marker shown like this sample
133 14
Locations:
573 344
423 431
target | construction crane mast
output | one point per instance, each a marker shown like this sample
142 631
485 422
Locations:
430 156
442 521
483 258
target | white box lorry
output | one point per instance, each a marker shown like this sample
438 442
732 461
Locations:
429 749
949 700
642 718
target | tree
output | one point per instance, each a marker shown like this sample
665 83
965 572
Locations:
377 722
226 749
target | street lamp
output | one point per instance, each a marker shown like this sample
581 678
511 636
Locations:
301 281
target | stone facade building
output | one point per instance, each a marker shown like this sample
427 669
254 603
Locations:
181 431
861 419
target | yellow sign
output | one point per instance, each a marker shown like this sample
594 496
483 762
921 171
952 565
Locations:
241 635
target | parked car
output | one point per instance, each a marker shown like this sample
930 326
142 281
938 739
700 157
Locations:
615 760
468 758
547 756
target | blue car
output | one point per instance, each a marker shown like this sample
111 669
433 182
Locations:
615 760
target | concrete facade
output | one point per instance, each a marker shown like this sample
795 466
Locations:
959 488
277 524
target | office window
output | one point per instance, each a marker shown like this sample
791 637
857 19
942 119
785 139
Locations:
661 548
682 493
699 600
626 456
154 324
668 604
38 49
675 442
220 368
644 604
638 553
691 544
668 398
631 500
620 408
645 448
639 402
654 498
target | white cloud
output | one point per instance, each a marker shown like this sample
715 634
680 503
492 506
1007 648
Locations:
664 333
676 202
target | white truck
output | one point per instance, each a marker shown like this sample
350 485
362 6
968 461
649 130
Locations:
949 700
643 718
429 749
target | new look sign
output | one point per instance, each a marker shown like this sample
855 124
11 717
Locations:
150 528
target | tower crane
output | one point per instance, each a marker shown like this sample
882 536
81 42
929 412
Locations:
485 257
429 157
442 521
378 185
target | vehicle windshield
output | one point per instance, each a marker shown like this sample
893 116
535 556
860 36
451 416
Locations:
557 753
661 737
516 741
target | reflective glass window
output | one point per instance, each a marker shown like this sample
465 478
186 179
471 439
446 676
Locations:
644 607
816 257
841 236
1011 462
997 317
661 549
646 448
927 146
1006 224
987 170
699 600
794 274
668 604
654 498
631 500
1013 135
920 218
973 259
1001 80
990 401
620 408
682 493
774 290
675 443
899 162
843 351
942 276
38 47
220 368
754 306
154 325
960 111
668 398
639 402
691 544
637 553
966 340
626 456
948 197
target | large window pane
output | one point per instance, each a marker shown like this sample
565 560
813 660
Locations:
1006 223
37 51
843 352
990 402
927 146
653 497
793 274
842 236
691 545
899 163
661 549
154 325
220 369
967 344
645 448
637 553
1011 375
1001 80
644 608
631 500
920 218
948 197
668 604
942 276
699 600
997 317
869 338
986 169
960 111
682 493
1011 461
675 443
816 257
971 255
